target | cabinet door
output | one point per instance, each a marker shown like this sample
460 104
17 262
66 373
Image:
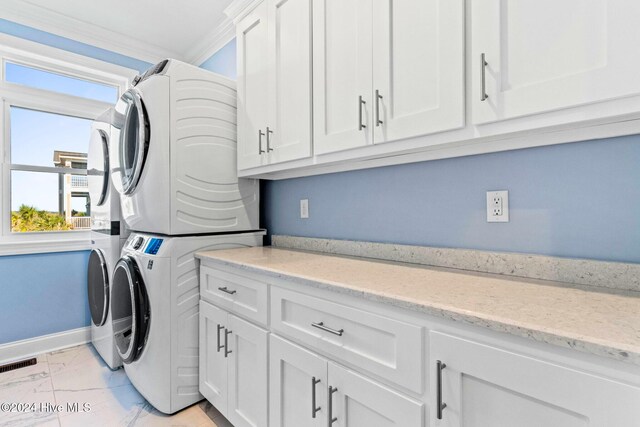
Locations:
247 401
251 35
290 131
297 386
213 365
342 64
488 386
360 402
544 55
418 67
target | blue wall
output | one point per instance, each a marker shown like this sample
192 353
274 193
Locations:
47 293
571 200
42 294
223 61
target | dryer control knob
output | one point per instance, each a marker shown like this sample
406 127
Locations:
137 243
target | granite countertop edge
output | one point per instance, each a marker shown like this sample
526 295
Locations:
485 320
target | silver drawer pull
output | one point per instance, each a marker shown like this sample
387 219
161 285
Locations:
220 347
331 418
440 405
483 78
320 325
361 102
226 290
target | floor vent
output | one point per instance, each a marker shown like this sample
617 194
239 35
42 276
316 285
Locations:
17 365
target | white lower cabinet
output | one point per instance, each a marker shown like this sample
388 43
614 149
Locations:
297 385
233 366
257 378
485 386
308 390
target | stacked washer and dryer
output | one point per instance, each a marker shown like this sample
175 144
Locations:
173 163
108 235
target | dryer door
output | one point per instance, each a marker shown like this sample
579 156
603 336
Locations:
133 142
98 166
130 310
98 287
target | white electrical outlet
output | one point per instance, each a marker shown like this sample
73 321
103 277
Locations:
304 208
497 206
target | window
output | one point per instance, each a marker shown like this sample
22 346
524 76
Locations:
41 79
49 100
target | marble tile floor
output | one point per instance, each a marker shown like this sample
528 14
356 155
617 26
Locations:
78 375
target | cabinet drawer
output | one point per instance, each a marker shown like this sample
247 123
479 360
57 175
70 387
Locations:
384 346
237 294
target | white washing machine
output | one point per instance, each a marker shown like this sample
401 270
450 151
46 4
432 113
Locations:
175 161
155 306
107 238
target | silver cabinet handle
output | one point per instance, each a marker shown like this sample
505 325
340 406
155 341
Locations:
226 290
439 405
260 135
227 352
269 132
332 419
361 102
483 80
320 325
378 98
220 347
314 409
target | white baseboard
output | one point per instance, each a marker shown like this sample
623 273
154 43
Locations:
31 347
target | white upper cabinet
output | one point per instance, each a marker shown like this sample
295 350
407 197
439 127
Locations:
274 83
544 55
418 67
385 71
289 129
333 85
342 76
251 34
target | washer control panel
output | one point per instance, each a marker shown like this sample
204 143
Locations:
145 244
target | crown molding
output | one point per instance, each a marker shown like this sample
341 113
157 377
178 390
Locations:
43 19
211 43
223 33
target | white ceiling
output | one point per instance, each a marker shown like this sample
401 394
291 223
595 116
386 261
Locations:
149 30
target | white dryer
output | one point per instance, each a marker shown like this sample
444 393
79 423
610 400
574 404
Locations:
155 306
174 159
107 238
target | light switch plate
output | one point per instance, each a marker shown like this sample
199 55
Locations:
498 206
304 208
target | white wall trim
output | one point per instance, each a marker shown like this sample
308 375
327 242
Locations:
31 347
223 33
27 247
53 22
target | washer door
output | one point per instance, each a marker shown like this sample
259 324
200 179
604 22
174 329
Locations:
98 166
130 311
98 287
134 141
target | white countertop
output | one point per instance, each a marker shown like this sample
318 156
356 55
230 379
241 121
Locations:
600 322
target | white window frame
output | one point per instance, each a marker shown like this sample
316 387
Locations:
46 58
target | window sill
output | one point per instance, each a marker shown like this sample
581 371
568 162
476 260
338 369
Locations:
46 244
